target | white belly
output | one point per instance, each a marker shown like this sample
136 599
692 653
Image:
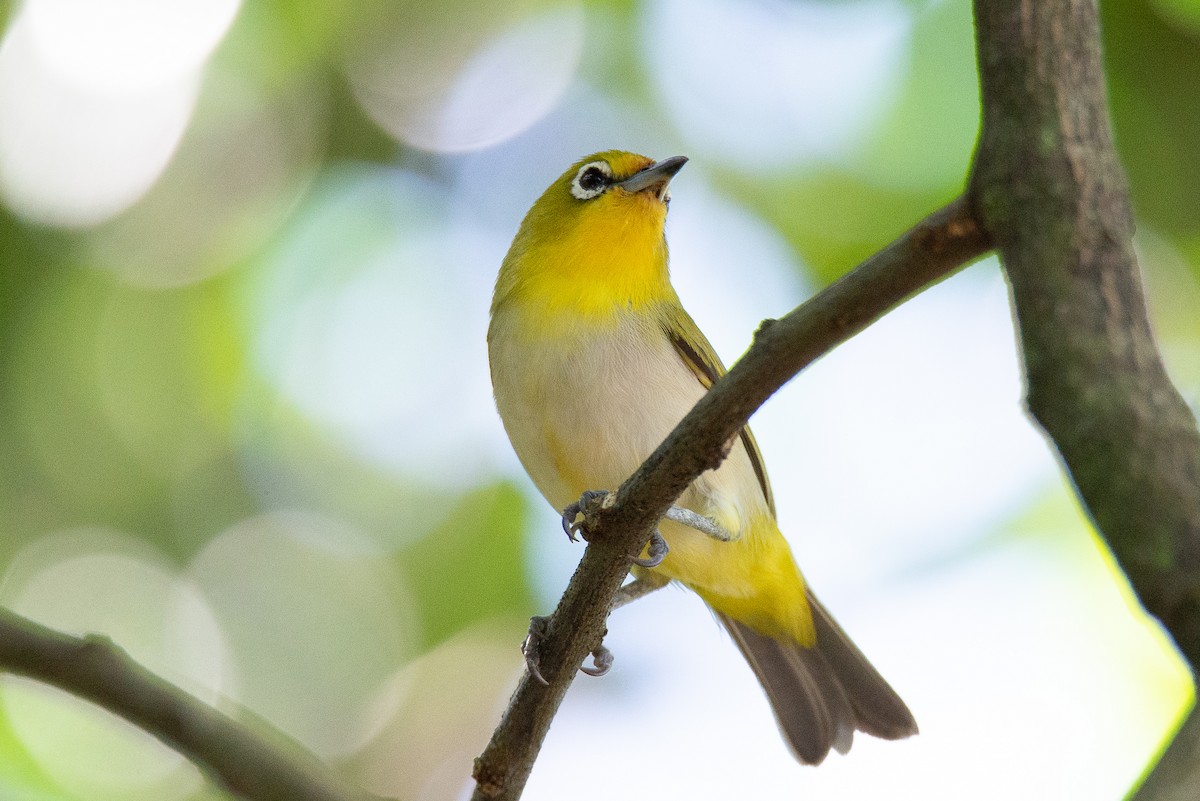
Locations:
583 411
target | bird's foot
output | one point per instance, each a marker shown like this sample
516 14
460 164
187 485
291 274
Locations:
602 658
656 551
602 661
531 646
590 502
576 519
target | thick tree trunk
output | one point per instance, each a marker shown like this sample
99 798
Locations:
1050 191
1048 188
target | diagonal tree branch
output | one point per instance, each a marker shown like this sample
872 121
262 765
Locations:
243 761
945 241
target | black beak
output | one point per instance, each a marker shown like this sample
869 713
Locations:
655 177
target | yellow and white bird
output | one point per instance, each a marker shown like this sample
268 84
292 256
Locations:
594 361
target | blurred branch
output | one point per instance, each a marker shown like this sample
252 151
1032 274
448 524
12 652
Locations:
1050 191
940 244
238 759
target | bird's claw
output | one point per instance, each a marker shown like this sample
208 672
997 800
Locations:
602 661
589 502
531 646
656 551
602 658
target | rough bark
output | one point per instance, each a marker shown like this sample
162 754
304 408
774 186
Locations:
1051 192
1049 189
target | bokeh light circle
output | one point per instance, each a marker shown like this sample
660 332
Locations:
462 82
245 161
72 156
419 742
776 83
125 46
308 665
363 348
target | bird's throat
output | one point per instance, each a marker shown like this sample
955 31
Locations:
597 280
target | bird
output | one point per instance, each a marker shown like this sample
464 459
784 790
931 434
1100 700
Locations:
593 361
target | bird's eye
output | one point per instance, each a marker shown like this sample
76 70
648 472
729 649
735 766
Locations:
591 180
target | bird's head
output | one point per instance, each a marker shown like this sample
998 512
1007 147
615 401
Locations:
606 195
621 182
596 233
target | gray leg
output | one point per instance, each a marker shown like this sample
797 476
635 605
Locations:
638 588
699 522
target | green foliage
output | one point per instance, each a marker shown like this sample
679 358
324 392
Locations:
471 567
19 775
1153 63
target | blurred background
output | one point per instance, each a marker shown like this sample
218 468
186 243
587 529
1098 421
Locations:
246 255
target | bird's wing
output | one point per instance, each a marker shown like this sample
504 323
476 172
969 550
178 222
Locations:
698 354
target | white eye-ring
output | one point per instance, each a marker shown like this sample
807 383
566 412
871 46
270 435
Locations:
591 180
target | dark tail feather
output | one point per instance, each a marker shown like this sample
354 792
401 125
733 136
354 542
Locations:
822 694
